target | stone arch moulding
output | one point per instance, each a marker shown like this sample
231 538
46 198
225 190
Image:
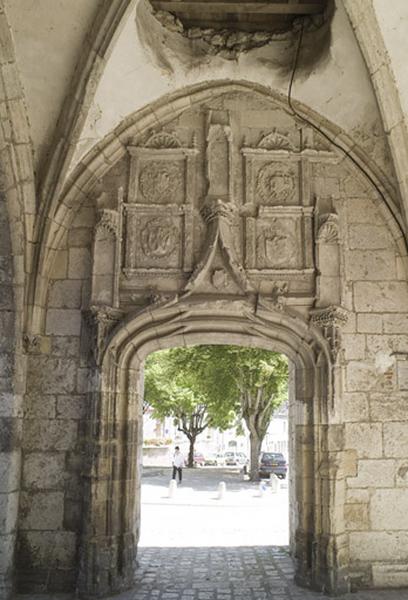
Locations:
112 506
88 174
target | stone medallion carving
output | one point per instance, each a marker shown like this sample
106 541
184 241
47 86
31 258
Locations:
161 182
159 238
276 183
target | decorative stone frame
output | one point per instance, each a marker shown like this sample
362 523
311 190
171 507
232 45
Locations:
114 439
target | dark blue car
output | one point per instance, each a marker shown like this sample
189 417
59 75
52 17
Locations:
272 462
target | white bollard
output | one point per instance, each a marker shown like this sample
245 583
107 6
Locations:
172 488
221 490
274 483
262 488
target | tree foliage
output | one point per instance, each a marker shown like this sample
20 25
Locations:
213 386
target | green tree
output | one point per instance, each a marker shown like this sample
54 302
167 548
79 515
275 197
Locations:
174 388
253 380
206 386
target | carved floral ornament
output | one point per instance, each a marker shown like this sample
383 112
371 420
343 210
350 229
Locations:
275 141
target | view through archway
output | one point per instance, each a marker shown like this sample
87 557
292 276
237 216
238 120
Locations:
223 530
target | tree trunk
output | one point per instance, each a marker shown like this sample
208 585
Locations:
190 461
256 443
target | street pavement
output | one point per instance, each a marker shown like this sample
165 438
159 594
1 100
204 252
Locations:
195 545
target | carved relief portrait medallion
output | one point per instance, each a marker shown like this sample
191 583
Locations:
159 238
161 182
276 183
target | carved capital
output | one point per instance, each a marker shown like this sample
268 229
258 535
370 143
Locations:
330 320
108 219
31 343
101 320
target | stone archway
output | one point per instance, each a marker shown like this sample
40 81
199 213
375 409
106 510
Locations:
111 521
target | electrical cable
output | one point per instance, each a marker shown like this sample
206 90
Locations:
330 139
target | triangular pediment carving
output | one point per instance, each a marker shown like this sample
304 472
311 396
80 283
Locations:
219 269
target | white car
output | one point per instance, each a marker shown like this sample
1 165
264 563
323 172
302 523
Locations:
235 459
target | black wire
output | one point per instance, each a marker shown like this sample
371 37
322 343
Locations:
331 140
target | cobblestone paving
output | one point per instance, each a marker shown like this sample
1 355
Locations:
242 573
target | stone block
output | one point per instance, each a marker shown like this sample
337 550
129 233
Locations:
66 346
369 323
366 264
63 322
355 407
41 510
52 375
369 237
365 438
356 517
357 496
85 217
71 407
7 543
8 512
354 346
65 294
79 263
396 440
10 471
362 210
374 473
360 376
371 296
11 404
44 470
390 576
389 509
389 406
39 548
60 265
80 237
378 545
395 323
39 406
10 434
52 435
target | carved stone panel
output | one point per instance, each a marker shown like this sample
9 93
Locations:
276 184
154 240
161 182
278 244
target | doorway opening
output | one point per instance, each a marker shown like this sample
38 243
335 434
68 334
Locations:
225 409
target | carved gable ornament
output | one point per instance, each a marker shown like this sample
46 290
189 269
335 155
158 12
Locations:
219 250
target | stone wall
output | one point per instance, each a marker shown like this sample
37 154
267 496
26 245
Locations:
11 392
55 414
349 257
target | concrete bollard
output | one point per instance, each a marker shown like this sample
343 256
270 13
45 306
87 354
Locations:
262 488
172 488
222 488
275 484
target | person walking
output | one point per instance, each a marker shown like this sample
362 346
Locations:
178 464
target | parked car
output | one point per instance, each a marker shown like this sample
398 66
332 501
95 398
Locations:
235 459
199 460
210 460
272 462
